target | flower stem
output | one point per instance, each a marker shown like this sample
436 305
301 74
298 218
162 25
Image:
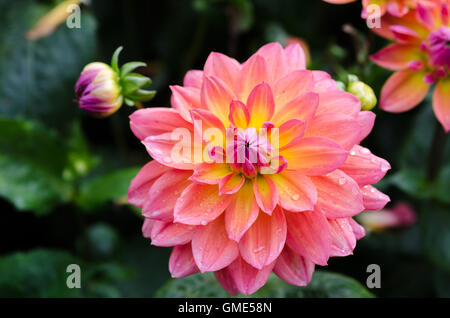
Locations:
436 152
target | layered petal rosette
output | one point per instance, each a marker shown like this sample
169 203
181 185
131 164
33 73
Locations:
396 8
420 56
257 169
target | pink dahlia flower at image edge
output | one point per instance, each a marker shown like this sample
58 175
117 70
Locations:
235 219
420 57
397 8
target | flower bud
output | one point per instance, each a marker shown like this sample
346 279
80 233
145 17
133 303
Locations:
364 93
98 91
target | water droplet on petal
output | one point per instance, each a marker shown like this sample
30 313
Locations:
342 181
295 197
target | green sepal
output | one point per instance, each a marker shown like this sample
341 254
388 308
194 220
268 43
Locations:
141 95
130 66
132 82
115 59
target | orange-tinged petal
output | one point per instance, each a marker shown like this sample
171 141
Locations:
231 183
265 193
373 199
309 235
171 234
314 155
343 240
276 61
441 103
253 72
338 102
343 129
293 268
206 122
212 248
404 34
403 91
223 67
397 56
264 240
366 120
338 195
239 115
224 278
216 96
200 204
241 212
184 99
296 192
210 173
290 130
301 107
164 193
181 262
291 86
260 105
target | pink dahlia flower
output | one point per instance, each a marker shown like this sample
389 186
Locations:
421 57
293 178
396 8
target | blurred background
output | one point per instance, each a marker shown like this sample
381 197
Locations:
64 175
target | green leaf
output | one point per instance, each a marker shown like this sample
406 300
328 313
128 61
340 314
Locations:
115 59
32 162
323 285
435 223
42 273
104 188
37 76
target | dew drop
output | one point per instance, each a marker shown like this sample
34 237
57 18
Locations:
342 181
295 197
203 222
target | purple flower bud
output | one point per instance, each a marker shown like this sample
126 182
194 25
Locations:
98 91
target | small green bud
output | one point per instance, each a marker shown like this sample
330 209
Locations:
364 93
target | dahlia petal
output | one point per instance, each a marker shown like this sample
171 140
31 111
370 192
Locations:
216 96
323 82
358 230
231 183
396 56
265 193
338 102
275 58
314 155
296 192
171 234
343 129
163 148
290 130
409 21
338 195
205 122
184 99
181 261
239 115
193 78
212 248
425 16
142 182
309 235
366 121
241 212
210 173
200 204
373 199
295 57
164 193
224 278
364 167
403 91
156 121
223 67
343 240
441 103
247 278
264 240
404 34
291 86
147 227
253 72
293 268
302 107
260 105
